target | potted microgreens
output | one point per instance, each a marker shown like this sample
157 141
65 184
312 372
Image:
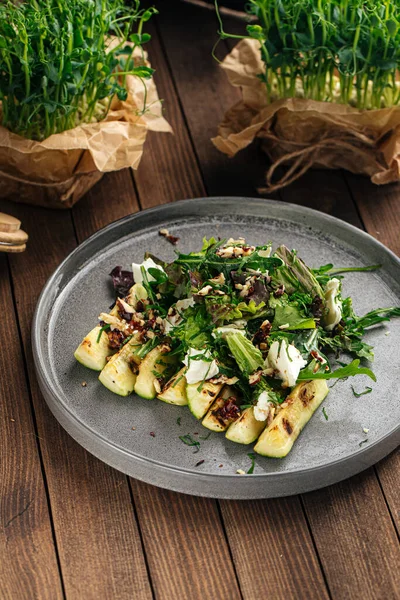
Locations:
320 87
76 96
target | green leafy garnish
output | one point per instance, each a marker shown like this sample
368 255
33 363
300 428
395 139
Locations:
104 328
363 442
205 437
253 463
324 413
178 421
190 441
247 356
367 390
348 371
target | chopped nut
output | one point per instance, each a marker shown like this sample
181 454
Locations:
205 290
12 420
220 280
150 335
159 320
240 241
255 377
133 428
171 238
84 384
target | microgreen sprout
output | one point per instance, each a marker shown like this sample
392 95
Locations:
59 66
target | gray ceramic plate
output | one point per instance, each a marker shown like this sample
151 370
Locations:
326 451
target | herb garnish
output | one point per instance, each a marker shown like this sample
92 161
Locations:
189 441
324 413
367 390
363 442
179 420
253 462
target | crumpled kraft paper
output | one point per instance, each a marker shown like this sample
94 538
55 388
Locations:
305 133
59 170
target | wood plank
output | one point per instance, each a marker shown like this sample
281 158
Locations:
28 563
388 471
112 198
355 539
379 209
185 545
258 532
168 170
205 95
100 555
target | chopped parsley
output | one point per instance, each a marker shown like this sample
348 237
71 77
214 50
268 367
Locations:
367 390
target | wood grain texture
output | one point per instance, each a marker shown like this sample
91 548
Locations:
168 170
112 198
205 94
388 471
355 539
272 549
96 533
379 209
28 563
185 545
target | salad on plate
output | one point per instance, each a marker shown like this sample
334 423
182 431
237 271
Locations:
243 335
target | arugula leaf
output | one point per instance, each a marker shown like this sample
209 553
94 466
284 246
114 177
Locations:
190 441
324 413
348 371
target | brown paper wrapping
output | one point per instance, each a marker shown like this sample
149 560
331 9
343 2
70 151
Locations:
305 133
61 169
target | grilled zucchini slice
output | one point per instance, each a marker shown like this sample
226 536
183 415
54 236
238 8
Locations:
213 420
200 397
246 428
119 374
278 438
174 391
154 362
92 353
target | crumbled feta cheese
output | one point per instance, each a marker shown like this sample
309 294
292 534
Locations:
286 361
240 472
262 408
333 304
225 330
147 264
198 369
365 430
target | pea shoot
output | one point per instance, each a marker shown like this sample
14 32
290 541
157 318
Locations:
344 51
59 66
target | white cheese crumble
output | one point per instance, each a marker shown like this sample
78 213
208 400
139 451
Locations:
147 264
263 407
198 369
286 361
365 430
333 304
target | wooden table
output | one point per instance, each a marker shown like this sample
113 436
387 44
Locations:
73 527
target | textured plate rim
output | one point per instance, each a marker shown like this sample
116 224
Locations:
374 450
